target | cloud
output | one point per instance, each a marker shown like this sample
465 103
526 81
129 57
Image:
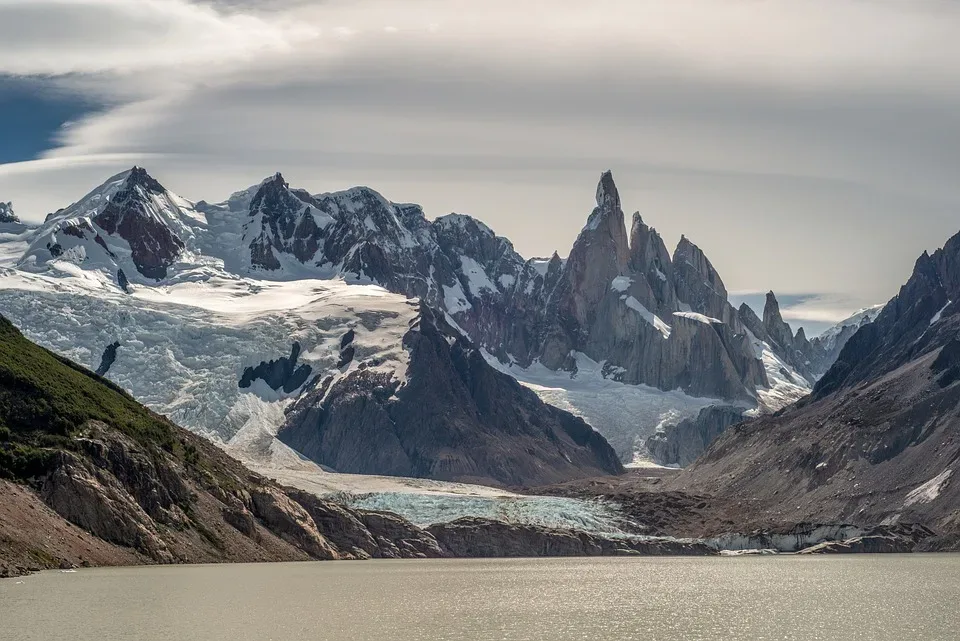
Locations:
805 146
119 36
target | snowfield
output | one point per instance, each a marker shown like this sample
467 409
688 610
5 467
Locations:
625 414
184 347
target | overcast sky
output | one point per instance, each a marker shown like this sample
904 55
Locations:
808 147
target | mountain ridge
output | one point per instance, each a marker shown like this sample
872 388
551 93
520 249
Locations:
876 441
620 300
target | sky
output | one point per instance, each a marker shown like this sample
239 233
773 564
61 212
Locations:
808 147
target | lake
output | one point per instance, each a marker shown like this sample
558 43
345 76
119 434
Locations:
875 598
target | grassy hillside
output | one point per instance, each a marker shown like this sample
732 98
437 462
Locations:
45 400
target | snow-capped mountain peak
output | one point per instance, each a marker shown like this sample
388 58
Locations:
834 338
130 226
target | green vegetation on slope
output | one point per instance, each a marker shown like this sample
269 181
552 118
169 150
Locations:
46 399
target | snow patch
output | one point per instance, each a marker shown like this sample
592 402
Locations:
929 491
700 318
624 414
477 279
787 386
621 284
939 314
647 315
454 299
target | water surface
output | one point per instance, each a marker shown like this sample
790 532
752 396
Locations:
875 598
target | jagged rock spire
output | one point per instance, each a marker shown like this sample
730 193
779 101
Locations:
647 249
773 323
801 337
699 285
599 254
607 195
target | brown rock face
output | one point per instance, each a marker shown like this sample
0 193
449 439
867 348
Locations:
104 508
153 245
287 518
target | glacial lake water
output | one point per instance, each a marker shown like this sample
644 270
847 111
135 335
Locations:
875 598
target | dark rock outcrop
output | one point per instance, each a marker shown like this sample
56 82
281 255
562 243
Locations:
682 443
454 418
122 281
108 358
280 374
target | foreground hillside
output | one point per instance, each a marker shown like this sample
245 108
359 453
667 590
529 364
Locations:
89 476
878 441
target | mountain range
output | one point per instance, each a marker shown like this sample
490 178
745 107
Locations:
355 333
620 311
877 440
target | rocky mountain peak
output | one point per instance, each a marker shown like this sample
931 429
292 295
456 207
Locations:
599 254
138 177
607 195
6 213
699 285
606 222
286 224
689 253
778 330
801 337
647 250
272 192
771 307
133 216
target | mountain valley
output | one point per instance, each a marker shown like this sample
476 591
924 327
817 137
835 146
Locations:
383 363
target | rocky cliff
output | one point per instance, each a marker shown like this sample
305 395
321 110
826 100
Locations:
877 442
450 416
681 444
